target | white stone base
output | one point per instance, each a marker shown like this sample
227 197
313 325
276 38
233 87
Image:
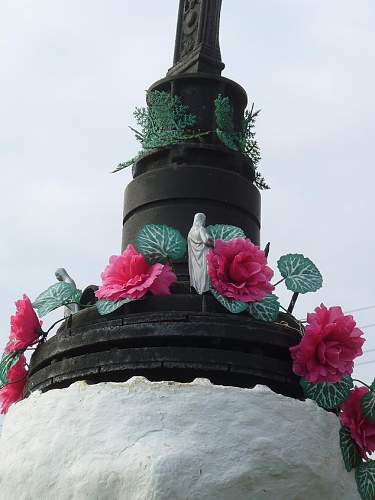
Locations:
169 441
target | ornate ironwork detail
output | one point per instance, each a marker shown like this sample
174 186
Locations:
197 40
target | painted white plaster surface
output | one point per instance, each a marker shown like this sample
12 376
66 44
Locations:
169 441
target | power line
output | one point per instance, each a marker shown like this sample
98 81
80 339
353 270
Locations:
367 326
366 363
360 309
369 350
353 311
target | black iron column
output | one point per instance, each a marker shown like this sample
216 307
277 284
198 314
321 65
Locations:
171 184
197 46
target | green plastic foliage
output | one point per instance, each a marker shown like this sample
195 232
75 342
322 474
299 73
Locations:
365 478
243 140
233 306
107 306
349 450
59 294
368 404
327 395
6 363
266 309
225 124
165 121
248 144
160 243
301 275
225 232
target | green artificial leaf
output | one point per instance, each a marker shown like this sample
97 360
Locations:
260 182
368 404
301 275
6 363
107 306
164 122
349 450
160 243
328 395
233 306
230 139
59 294
224 114
248 143
365 478
225 124
266 309
225 232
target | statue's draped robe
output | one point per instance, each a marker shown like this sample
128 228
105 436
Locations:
198 238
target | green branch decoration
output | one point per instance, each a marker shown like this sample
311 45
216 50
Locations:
243 140
225 123
164 122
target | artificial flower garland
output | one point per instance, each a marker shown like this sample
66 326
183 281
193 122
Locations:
240 280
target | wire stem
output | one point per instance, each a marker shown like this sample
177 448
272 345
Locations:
278 283
363 383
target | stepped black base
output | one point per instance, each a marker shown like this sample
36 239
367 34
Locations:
179 338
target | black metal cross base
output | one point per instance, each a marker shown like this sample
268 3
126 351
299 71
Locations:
174 338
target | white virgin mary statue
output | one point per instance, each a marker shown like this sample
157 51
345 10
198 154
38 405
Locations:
199 243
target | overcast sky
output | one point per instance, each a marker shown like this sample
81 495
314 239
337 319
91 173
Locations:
72 73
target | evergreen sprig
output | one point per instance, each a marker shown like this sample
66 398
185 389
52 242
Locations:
164 122
244 140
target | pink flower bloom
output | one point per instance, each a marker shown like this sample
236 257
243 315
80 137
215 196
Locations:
129 276
361 429
24 326
329 346
13 391
238 270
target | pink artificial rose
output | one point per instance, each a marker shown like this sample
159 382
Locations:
129 276
328 347
24 326
13 391
238 270
361 428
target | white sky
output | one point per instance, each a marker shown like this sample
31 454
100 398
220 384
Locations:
72 73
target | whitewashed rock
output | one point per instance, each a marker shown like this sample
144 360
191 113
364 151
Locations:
169 441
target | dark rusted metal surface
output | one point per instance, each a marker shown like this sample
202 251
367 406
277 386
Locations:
179 338
182 336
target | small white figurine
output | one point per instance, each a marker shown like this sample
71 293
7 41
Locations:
62 275
199 243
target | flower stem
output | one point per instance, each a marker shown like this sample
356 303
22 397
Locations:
363 383
293 302
278 283
51 327
267 249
